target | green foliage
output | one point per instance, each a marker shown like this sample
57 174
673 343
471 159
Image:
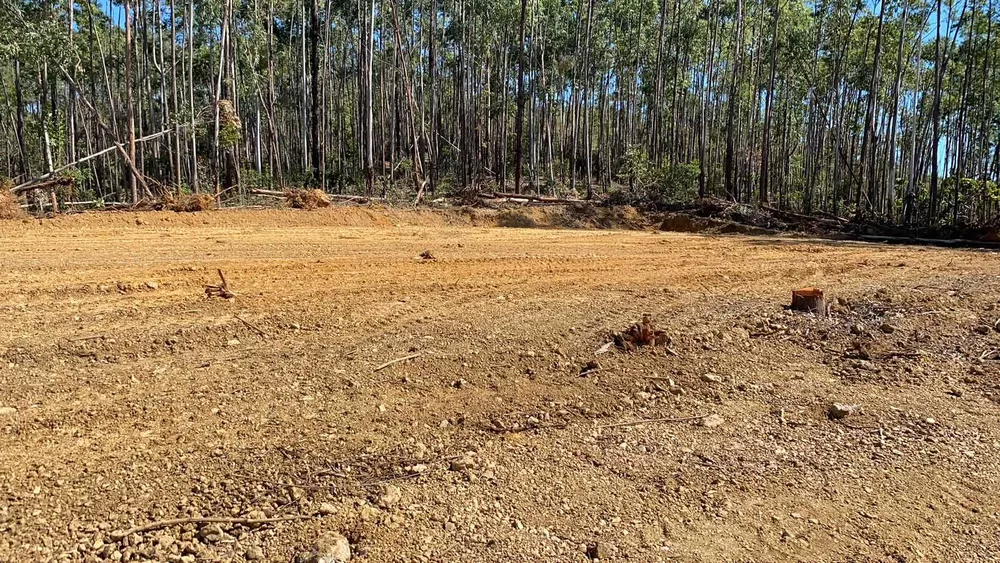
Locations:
655 186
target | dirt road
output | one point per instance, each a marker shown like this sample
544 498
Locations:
127 397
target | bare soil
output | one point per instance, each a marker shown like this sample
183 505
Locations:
129 397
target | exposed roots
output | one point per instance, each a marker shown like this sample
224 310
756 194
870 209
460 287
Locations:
643 333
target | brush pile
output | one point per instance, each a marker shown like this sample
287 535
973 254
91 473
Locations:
189 203
307 199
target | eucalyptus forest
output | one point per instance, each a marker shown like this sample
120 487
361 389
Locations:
882 110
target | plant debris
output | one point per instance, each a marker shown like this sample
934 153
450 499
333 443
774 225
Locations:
307 199
221 290
189 203
643 333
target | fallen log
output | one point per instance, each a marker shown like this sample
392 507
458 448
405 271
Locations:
338 197
530 198
56 182
39 182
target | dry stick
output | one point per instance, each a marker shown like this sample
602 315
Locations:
590 371
259 332
649 420
209 520
396 361
83 338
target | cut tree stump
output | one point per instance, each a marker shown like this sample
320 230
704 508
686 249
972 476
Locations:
809 300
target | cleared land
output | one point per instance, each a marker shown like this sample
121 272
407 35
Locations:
128 397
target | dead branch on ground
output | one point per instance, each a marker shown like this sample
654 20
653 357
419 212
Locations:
396 361
221 290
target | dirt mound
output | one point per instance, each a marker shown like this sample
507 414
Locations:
9 206
307 199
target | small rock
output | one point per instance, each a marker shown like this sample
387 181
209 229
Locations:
391 495
419 450
955 393
712 420
233 342
463 463
152 285
459 383
652 535
887 328
930 420
983 329
7 411
253 553
326 509
643 396
837 411
211 533
857 329
369 513
711 378
599 550
331 548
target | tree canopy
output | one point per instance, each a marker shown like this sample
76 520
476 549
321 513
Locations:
885 110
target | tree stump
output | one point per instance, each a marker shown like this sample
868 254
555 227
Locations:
809 300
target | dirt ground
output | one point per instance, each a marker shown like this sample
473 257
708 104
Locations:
127 397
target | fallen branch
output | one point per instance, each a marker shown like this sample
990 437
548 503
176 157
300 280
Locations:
39 185
121 534
650 420
88 337
340 197
252 327
221 290
396 361
902 354
39 182
528 197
